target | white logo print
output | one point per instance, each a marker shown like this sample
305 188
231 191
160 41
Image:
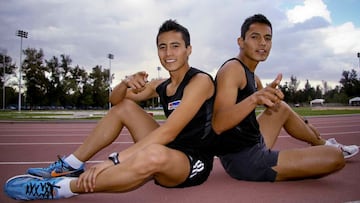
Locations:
197 168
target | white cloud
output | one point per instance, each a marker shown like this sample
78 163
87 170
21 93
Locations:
306 44
310 9
343 39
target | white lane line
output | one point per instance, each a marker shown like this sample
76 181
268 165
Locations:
37 162
130 142
53 143
337 133
55 135
42 162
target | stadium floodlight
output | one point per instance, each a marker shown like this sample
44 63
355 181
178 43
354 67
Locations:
22 34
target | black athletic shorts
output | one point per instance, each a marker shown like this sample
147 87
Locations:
252 163
201 164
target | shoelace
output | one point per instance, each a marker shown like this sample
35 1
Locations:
43 190
344 151
57 163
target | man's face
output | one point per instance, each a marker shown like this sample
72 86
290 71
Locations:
257 43
172 52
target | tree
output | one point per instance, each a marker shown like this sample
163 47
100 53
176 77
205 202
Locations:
99 79
10 95
85 100
293 87
336 96
35 77
285 89
61 81
309 92
77 81
54 85
66 83
9 68
326 86
318 92
350 83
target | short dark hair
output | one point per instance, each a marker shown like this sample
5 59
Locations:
257 18
172 25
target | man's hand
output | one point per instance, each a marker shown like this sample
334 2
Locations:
277 81
137 81
270 96
87 180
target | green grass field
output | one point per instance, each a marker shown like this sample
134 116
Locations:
310 112
95 115
307 111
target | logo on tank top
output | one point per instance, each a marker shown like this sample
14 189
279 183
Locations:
173 105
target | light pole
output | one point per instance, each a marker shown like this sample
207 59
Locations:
110 57
358 55
3 52
22 34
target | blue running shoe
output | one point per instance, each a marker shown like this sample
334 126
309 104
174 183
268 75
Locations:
28 187
57 169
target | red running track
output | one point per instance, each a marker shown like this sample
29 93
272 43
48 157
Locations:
36 144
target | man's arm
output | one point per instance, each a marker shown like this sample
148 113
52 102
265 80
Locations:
227 113
199 89
230 78
135 87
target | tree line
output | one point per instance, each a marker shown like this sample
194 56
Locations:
349 87
55 83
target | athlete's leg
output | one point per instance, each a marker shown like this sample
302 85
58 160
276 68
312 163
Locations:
127 113
310 162
167 166
271 121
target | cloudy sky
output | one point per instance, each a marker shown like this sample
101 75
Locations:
312 39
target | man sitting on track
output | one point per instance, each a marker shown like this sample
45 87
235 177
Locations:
176 154
247 140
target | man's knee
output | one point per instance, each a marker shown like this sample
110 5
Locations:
123 107
151 159
156 154
283 106
336 158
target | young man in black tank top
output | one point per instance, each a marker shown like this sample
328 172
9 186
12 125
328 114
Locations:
246 141
175 154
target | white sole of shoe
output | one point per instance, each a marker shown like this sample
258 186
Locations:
24 176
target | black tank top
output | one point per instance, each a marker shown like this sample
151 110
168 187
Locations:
198 132
247 132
